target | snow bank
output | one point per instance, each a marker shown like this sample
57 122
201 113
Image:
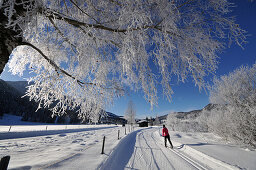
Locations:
205 159
217 148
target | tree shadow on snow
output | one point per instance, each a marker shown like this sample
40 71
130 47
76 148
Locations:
199 144
14 135
177 135
193 144
23 168
181 146
62 162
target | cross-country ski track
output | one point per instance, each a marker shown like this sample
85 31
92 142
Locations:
144 149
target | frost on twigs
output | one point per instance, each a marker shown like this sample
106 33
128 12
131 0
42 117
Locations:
87 52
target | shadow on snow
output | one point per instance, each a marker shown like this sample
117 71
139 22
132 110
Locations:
14 135
121 154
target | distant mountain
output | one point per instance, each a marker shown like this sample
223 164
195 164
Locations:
5 88
21 86
210 107
112 115
109 117
191 114
188 121
12 102
10 99
162 118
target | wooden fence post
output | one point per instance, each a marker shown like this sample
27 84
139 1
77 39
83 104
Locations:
102 151
125 130
4 162
118 134
10 128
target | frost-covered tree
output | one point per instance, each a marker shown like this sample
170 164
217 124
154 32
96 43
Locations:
237 88
236 95
157 121
86 52
172 121
130 113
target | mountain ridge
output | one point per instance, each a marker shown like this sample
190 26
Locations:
13 102
190 114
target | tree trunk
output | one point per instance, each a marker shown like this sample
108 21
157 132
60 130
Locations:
9 38
8 42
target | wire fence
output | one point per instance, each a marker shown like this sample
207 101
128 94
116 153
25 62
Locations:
29 128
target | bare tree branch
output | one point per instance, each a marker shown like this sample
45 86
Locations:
83 11
75 23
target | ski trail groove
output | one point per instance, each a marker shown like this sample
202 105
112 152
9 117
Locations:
152 154
162 151
142 150
191 161
143 153
184 157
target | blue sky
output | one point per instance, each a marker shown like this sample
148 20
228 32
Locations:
186 96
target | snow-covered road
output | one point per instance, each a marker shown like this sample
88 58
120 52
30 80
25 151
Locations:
144 150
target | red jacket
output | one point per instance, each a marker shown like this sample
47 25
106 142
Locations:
165 132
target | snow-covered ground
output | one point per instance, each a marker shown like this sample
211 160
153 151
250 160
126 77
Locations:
34 147
217 148
141 149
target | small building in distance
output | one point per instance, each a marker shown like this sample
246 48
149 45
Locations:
143 123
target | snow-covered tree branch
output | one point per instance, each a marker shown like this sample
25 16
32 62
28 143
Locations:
86 52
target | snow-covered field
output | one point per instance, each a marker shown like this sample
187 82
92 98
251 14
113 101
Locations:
141 149
58 149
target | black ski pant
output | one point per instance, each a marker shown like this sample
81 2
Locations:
165 139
